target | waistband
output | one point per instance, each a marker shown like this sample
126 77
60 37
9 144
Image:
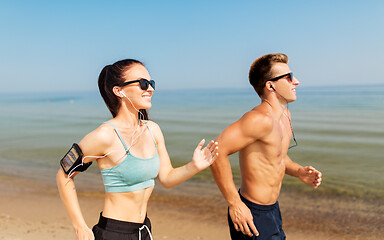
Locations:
122 226
258 207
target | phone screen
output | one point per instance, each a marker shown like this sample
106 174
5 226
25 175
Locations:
70 159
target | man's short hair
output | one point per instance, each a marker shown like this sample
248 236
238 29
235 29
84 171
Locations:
260 70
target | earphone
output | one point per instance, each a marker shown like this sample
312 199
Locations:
293 134
141 114
123 94
132 103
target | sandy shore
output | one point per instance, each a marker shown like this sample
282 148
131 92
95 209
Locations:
194 210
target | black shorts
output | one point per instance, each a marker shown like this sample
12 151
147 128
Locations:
267 219
111 229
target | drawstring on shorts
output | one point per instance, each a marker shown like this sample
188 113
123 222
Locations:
141 228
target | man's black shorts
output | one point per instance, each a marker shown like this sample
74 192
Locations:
267 219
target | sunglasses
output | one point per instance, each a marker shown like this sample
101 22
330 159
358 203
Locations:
144 83
288 75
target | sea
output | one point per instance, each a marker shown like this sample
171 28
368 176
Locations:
339 130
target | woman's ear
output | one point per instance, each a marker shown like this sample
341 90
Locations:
117 91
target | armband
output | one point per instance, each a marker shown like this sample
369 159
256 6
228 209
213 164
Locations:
73 160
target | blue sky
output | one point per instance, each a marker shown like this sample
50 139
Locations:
63 45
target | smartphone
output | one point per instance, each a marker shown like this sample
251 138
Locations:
72 159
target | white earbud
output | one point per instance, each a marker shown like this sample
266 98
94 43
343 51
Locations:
123 94
132 104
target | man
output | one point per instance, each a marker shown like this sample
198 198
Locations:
262 137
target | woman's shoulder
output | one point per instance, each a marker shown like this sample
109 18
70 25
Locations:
154 128
104 131
101 137
152 125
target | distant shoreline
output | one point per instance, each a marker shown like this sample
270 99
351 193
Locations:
95 91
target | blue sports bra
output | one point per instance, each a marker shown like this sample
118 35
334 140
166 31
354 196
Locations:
132 173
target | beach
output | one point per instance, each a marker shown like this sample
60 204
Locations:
340 131
33 210
186 212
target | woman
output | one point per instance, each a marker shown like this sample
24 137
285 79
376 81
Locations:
130 152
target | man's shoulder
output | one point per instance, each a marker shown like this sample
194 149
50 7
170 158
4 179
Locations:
257 116
256 123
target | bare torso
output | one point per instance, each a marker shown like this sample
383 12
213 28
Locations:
262 163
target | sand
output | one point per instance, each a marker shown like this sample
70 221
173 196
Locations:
32 209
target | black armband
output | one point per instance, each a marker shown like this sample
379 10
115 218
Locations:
73 160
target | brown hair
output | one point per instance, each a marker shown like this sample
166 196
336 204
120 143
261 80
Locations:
260 70
111 76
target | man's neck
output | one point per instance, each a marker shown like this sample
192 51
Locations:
278 107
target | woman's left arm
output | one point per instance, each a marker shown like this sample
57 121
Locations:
202 158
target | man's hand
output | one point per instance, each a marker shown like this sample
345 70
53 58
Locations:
310 176
242 219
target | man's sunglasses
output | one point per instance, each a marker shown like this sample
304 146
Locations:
144 83
288 75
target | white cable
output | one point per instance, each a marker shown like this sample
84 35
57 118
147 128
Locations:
142 115
133 105
82 161
133 141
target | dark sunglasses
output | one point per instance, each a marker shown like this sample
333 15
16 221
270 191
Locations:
290 78
144 83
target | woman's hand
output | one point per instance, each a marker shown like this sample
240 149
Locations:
204 157
84 233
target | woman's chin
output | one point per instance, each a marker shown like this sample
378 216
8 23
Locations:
146 106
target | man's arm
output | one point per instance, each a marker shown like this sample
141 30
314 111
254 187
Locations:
308 175
251 127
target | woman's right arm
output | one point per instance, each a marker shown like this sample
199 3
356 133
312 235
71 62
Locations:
94 144
69 198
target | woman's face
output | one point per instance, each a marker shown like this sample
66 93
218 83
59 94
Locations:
141 99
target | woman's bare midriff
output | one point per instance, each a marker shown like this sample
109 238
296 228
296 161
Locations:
127 206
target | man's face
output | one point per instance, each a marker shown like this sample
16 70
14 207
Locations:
285 86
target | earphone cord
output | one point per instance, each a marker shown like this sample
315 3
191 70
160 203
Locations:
289 119
142 115
282 107
82 162
290 123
